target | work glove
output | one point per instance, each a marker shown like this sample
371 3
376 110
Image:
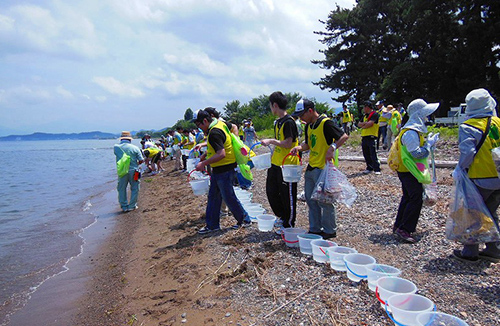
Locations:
432 139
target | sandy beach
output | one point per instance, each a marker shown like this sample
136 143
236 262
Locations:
156 270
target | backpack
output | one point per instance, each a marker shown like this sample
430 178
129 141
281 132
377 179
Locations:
393 158
123 164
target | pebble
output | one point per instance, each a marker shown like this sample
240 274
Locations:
184 315
184 320
228 314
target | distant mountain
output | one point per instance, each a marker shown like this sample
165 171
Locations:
74 136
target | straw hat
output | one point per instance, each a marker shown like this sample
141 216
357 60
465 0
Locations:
390 107
126 135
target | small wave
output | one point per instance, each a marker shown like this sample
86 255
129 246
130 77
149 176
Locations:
87 205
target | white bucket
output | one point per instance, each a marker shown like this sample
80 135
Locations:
406 307
356 265
200 187
320 250
376 271
434 318
262 162
245 201
185 152
292 173
243 194
387 286
337 257
265 222
305 242
191 163
254 212
290 236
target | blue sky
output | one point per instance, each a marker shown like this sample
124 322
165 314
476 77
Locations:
112 65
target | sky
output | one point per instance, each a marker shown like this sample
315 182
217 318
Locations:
113 65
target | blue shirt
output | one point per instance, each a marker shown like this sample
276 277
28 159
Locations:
133 151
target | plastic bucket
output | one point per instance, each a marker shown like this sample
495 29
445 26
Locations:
434 318
290 236
243 194
337 257
262 162
387 286
320 250
292 173
406 307
265 222
191 163
254 212
356 265
245 201
376 271
200 186
185 152
305 242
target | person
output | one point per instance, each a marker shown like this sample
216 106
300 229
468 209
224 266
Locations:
282 196
476 159
369 134
346 119
384 116
249 134
393 126
412 140
153 156
322 137
220 156
136 158
177 149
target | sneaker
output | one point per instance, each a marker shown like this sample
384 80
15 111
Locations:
405 236
205 230
457 254
328 235
132 208
280 231
490 257
367 171
246 224
378 172
222 214
318 233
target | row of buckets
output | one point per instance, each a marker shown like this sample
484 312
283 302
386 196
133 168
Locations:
397 296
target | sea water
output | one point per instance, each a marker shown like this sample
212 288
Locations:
48 196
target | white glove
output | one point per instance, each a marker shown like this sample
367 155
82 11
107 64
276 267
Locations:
432 139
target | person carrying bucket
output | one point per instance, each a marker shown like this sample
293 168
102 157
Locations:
412 171
282 196
322 137
220 156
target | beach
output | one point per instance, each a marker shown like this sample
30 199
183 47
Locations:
154 269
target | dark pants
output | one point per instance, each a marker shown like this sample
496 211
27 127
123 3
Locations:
278 194
382 133
346 128
370 153
411 202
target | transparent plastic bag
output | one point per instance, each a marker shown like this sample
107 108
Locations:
333 187
430 194
495 153
469 221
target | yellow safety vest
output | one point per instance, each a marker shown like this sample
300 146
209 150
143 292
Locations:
346 116
176 138
228 147
483 166
402 167
381 118
280 152
317 144
372 131
396 115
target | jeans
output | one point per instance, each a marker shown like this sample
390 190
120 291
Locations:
122 190
411 202
370 153
320 215
278 195
492 201
221 188
382 133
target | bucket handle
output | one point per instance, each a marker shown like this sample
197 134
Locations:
326 254
257 144
191 152
189 175
290 154
392 318
360 276
283 237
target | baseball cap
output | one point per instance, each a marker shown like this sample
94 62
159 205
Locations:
199 115
302 106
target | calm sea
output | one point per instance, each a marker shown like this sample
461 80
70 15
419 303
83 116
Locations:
48 195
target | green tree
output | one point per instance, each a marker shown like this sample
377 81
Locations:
188 115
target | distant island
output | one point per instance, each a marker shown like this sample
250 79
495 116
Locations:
48 136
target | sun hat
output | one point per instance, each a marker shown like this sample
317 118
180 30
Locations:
390 107
480 103
302 106
126 135
418 110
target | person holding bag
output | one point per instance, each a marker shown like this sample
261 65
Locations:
413 170
322 137
477 136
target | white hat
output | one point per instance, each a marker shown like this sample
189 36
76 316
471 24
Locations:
479 102
421 107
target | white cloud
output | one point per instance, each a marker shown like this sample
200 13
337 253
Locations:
23 95
116 87
64 92
6 24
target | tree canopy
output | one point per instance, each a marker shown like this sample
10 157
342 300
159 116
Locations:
399 50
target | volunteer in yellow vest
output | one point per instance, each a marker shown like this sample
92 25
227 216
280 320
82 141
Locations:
177 148
412 138
369 134
322 137
286 136
220 156
393 126
155 155
477 160
347 119
383 118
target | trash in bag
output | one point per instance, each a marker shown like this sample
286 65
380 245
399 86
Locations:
333 187
469 221
430 195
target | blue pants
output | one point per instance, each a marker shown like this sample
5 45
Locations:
320 215
122 190
411 202
221 188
